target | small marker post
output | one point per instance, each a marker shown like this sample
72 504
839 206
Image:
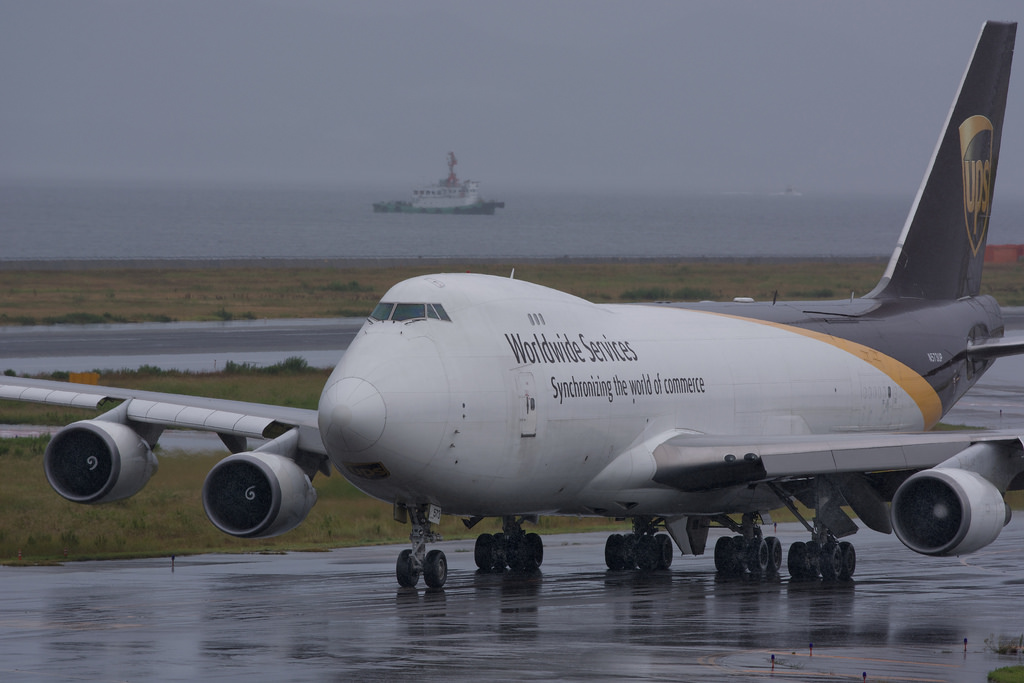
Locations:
773 663
172 564
864 676
810 648
965 646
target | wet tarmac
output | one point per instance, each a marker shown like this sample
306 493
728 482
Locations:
340 616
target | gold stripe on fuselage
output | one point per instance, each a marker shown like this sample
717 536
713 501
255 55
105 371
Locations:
916 386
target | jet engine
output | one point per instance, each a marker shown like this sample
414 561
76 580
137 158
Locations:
94 461
257 494
948 511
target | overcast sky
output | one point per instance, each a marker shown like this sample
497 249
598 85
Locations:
704 96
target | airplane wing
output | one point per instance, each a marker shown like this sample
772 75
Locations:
864 471
232 420
998 347
700 462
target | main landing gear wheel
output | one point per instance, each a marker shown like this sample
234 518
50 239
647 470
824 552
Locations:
831 561
798 562
757 556
727 560
774 555
643 549
483 552
515 549
535 550
654 552
748 551
736 555
619 553
848 563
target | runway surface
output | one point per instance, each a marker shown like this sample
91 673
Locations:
340 616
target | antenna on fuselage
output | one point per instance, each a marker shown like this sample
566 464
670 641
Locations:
513 275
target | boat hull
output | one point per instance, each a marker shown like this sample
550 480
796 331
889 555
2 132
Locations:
477 209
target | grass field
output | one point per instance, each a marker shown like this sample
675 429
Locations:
148 295
226 293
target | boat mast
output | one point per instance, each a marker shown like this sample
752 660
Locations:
452 180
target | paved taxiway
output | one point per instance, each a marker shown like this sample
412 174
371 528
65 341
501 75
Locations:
187 345
340 616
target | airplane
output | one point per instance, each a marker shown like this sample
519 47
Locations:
489 397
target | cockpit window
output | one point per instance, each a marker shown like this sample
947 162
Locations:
408 312
382 311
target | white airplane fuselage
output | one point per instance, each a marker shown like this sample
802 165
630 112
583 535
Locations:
532 401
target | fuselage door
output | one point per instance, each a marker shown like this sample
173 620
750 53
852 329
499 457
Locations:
527 404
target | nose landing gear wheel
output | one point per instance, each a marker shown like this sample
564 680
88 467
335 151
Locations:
435 569
405 569
416 560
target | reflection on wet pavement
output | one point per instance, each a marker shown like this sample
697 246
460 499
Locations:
340 616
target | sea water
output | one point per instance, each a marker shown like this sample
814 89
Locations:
49 221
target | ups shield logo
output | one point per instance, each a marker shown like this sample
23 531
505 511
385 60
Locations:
976 154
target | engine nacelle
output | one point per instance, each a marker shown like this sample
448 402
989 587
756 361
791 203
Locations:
93 461
948 511
256 495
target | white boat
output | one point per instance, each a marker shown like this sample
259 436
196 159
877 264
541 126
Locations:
448 195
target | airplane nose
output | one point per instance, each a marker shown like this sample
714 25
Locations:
352 415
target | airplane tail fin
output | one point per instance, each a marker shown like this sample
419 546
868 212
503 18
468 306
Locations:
942 246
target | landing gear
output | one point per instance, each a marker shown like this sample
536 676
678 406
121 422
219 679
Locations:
414 561
513 548
644 549
823 555
831 560
748 551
